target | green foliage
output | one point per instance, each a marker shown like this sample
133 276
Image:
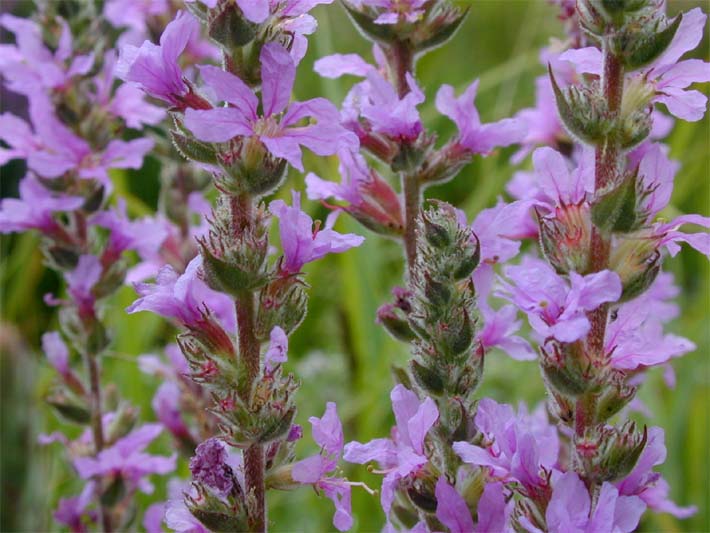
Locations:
339 353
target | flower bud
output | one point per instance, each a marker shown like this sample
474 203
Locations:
616 396
395 322
249 167
427 378
59 257
283 303
637 262
565 370
69 407
565 238
193 149
641 42
583 111
227 26
610 453
216 513
421 490
614 210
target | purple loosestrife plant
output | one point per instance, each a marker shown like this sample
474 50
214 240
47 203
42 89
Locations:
246 141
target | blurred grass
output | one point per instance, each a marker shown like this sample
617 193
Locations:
339 353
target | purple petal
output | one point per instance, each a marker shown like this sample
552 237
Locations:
217 125
278 73
229 88
451 509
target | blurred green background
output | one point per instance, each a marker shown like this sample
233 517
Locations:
339 353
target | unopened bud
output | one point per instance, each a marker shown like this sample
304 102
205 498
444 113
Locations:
565 369
637 262
227 26
640 43
615 210
565 238
395 322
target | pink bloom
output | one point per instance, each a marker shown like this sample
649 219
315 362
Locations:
35 207
393 11
649 485
72 512
281 134
300 243
387 112
155 69
81 282
328 434
520 447
402 454
56 351
167 408
453 512
183 297
570 507
30 66
475 137
127 459
557 308
277 351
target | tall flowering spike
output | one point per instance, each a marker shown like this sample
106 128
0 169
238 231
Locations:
473 136
281 134
155 68
300 242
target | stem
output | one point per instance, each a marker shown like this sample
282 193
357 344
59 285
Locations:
97 427
412 199
249 349
402 62
606 166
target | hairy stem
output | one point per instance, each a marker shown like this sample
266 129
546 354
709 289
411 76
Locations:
606 166
402 62
92 369
249 352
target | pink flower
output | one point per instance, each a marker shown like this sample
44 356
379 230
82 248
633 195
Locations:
328 434
475 137
301 244
277 351
127 459
280 134
557 308
36 206
522 447
155 69
453 512
570 507
403 454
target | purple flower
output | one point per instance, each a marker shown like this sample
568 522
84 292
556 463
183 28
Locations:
166 405
183 297
277 350
371 199
328 434
72 512
542 122
178 518
81 281
667 234
126 458
144 236
453 512
667 79
209 466
56 351
473 136
570 506
518 447
133 14
403 454
649 485
155 69
54 149
635 336
301 244
282 136
557 308
30 65
387 112
393 11
35 207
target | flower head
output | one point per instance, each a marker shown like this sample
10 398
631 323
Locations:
301 244
278 128
475 137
